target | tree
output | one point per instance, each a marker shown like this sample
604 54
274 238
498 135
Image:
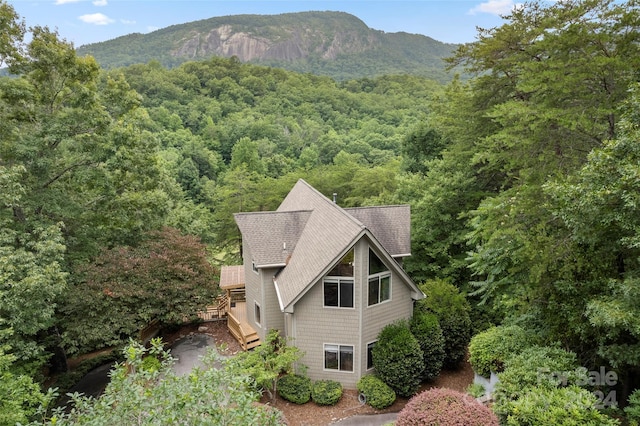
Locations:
598 205
166 278
452 310
12 34
139 395
268 362
32 276
426 329
20 396
245 153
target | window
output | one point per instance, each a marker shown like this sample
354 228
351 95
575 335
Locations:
344 268
338 357
257 313
370 355
338 292
379 280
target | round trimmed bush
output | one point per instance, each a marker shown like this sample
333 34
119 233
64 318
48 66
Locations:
326 392
452 309
441 406
377 393
295 388
398 359
489 349
426 329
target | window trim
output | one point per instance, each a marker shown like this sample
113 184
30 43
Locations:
367 360
379 277
338 346
257 313
339 281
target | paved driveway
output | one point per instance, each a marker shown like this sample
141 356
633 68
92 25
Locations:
189 351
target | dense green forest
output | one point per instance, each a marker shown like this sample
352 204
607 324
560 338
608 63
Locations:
117 187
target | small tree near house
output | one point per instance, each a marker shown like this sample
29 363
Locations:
268 362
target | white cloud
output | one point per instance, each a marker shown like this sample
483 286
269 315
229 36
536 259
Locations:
99 2
127 22
96 19
494 7
58 2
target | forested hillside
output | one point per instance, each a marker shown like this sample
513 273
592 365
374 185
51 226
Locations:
333 44
117 187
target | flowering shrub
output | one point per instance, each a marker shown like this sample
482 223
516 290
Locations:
326 392
295 388
440 406
377 393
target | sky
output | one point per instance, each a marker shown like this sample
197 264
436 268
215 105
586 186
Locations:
90 21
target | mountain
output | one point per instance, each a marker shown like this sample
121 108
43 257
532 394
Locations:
335 44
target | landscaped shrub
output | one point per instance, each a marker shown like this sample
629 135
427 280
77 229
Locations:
632 410
561 406
295 388
151 364
377 393
326 392
426 329
489 349
536 367
452 310
441 406
476 390
398 359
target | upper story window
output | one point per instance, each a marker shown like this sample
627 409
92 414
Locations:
338 292
379 280
338 284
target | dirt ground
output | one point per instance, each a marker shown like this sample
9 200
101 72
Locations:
310 414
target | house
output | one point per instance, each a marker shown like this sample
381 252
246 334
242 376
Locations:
328 278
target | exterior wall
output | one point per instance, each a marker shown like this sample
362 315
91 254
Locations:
252 288
259 289
313 325
272 316
375 317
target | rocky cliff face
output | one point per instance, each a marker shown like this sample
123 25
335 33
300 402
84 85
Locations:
335 44
291 43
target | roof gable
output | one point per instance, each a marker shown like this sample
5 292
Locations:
271 236
309 233
391 225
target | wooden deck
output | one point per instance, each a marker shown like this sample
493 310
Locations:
236 315
240 328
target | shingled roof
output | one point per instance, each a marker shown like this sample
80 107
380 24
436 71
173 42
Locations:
309 233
